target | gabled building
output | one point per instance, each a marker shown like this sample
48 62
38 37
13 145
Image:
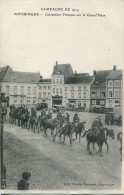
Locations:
77 90
60 74
98 88
114 88
19 87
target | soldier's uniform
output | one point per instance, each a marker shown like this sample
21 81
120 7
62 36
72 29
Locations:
59 117
97 126
76 119
67 117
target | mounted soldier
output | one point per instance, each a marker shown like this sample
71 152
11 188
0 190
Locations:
97 125
43 113
59 116
76 119
67 117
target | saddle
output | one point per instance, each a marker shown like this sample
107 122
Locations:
93 132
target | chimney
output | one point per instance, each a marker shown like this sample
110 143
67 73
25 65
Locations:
56 63
94 73
114 67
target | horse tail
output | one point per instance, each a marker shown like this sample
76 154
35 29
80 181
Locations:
84 134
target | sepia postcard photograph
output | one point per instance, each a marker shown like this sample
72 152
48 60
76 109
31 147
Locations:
61 96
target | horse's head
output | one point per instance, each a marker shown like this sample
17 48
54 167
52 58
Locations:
119 136
111 133
83 127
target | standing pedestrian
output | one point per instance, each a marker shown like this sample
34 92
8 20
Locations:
23 183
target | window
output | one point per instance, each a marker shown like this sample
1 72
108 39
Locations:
117 101
22 99
72 87
79 88
93 102
103 93
57 91
117 83
22 90
34 90
49 94
49 87
85 87
84 94
53 81
29 90
116 94
60 81
110 103
15 98
79 104
65 95
79 95
66 89
44 95
44 87
72 95
93 93
110 83
0 88
57 81
40 95
40 87
15 90
28 99
34 100
110 94
102 102
7 90
60 90
98 93
53 90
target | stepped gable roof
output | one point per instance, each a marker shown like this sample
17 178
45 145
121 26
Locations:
62 69
21 77
79 80
115 74
100 77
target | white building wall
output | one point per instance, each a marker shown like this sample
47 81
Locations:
113 100
58 86
20 98
78 92
45 93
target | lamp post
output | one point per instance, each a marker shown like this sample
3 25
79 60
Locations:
2 114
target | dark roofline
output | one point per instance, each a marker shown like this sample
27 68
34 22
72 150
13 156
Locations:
76 80
45 80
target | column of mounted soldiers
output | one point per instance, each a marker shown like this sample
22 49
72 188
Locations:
60 124
31 120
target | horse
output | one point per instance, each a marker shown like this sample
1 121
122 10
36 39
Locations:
119 138
31 121
78 130
67 130
49 124
100 137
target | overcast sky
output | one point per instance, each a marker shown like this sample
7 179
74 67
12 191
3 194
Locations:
35 43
